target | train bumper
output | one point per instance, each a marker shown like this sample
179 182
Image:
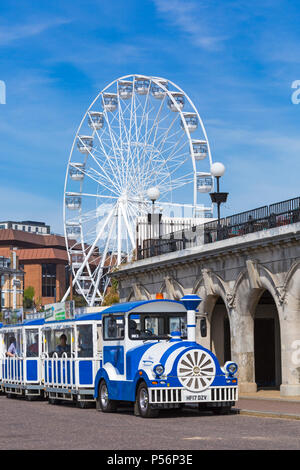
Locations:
178 395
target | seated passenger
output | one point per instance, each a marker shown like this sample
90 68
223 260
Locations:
11 352
63 346
112 328
133 331
33 349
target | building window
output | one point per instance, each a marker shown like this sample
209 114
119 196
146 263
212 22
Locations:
48 280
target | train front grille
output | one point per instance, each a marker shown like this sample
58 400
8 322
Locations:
176 395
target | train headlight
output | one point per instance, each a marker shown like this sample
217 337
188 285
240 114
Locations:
158 370
231 368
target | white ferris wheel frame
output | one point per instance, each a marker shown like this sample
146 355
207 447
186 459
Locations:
159 81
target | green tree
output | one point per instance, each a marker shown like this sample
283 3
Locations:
28 297
112 296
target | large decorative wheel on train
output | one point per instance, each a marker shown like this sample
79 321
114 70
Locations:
139 132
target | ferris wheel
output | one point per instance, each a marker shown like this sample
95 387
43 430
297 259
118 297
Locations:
135 135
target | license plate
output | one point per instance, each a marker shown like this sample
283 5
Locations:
191 397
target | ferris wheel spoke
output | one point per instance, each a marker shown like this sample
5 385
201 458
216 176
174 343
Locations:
113 183
128 227
108 159
181 180
100 266
111 140
160 144
167 161
166 136
157 121
123 134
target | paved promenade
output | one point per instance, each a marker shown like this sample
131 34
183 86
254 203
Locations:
263 421
269 403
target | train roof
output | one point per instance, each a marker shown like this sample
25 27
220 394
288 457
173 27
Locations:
128 306
89 316
36 322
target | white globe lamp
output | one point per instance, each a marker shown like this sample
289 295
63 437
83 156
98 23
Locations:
217 169
153 193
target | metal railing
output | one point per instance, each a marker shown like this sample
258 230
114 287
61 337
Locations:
12 369
243 223
63 371
59 371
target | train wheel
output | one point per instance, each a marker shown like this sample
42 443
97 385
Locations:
142 398
53 401
103 403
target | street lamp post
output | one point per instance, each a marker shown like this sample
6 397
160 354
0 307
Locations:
218 170
153 194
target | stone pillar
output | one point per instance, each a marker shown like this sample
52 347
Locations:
242 344
290 340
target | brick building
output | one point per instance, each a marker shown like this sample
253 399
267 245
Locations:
43 258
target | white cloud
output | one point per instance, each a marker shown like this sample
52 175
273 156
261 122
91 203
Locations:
11 33
190 18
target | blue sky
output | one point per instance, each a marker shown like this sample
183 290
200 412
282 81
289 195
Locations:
235 59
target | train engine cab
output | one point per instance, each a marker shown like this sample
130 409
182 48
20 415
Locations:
151 358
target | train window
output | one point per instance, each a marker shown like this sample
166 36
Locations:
16 338
85 341
113 327
156 326
99 339
32 343
59 341
178 324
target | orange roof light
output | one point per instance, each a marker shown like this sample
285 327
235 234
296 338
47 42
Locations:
159 295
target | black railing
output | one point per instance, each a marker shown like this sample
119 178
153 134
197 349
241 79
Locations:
262 218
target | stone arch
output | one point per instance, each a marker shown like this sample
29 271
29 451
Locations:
291 285
209 287
251 320
138 292
250 285
171 288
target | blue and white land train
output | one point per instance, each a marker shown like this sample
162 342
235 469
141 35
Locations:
140 352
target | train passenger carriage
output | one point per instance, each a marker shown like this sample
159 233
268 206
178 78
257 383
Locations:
21 374
142 352
71 358
151 358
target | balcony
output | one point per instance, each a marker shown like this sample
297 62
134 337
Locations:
237 225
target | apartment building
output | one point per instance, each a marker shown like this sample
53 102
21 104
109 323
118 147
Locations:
43 259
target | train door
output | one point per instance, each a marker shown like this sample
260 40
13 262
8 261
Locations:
113 341
32 350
